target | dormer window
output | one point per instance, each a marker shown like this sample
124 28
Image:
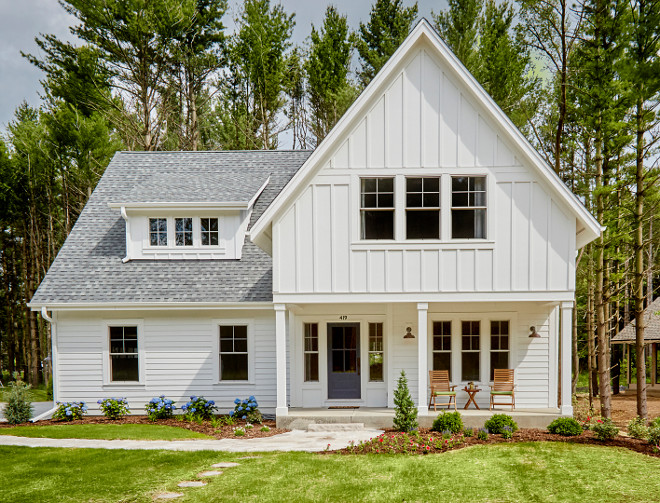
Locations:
209 230
183 231
158 231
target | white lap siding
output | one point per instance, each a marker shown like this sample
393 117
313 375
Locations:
179 357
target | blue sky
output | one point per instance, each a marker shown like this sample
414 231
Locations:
22 20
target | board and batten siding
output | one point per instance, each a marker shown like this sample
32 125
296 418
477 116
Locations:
424 125
179 357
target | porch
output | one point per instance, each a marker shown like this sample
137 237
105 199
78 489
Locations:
381 417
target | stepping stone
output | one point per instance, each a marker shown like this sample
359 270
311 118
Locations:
225 465
167 496
192 483
209 473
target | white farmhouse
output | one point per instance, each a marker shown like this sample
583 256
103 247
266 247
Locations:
423 233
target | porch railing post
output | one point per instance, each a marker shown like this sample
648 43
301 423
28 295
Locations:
422 358
280 357
565 335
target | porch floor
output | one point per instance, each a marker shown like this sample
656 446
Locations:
376 417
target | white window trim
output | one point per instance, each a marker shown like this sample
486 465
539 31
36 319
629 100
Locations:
317 352
106 324
463 208
224 322
491 350
192 231
382 352
167 233
196 247
197 236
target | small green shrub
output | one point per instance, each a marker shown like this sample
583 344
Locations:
405 412
605 429
247 409
70 411
49 389
498 421
448 421
482 434
565 426
265 428
160 408
656 422
114 408
507 432
19 407
239 431
637 428
198 408
468 432
653 436
249 426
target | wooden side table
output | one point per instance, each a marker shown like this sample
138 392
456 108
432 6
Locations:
471 393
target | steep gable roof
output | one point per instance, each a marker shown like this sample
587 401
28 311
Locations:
88 270
424 35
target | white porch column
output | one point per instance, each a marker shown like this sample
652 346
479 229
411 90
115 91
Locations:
422 358
565 334
280 358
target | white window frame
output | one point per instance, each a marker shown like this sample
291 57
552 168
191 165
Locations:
167 232
310 352
393 209
370 352
490 346
250 342
107 370
413 209
184 232
449 351
209 246
487 190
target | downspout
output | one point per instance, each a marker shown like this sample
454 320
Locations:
125 217
53 357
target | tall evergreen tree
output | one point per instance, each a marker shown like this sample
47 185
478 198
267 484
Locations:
459 27
327 67
389 24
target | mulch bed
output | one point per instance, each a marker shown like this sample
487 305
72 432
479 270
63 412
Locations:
431 442
206 428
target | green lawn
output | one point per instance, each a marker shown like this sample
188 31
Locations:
104 431
36 395
540 472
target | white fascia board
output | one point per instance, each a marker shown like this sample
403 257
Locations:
424 29
251 202
149 306
228 205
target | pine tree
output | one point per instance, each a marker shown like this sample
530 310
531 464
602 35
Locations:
459 27
389 24
405 412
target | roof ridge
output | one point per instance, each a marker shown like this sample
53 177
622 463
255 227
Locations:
151 152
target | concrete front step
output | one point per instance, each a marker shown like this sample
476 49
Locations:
335 427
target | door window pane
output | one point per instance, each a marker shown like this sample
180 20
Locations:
311 351
376 352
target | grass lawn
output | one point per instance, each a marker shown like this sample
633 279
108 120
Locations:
104 431
36 395
505 472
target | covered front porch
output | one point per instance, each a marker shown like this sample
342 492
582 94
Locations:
334 356
381 417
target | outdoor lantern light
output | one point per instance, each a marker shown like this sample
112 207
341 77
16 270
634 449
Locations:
409 334
534 332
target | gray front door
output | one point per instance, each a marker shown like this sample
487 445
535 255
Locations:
344 360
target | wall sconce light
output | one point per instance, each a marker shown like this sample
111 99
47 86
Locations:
409 334
533 331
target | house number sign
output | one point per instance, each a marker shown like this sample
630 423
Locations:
343 317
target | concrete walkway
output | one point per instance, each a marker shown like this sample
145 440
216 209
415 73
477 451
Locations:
296 440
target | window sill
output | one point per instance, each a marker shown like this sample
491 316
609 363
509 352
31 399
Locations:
423 244
124 384
234 383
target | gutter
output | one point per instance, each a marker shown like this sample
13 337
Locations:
53 356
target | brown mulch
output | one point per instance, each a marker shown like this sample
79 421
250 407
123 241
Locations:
206 428
624 407
431 442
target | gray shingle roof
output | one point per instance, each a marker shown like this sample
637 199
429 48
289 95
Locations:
88 268
652 330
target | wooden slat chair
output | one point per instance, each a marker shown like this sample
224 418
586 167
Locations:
502 387
440 387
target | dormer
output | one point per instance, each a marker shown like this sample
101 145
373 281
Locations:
179 217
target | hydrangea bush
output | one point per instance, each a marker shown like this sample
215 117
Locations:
247 409
199 408
160 408
70 411
114 408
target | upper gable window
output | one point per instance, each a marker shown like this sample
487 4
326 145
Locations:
209 230
468 207
423 208
377 208
183 232
158 231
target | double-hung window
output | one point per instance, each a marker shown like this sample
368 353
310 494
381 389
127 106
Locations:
442 345
470 360
158 231
376 352
209 231
233 353
311 351
499 346
468 207
423 208
377 208
183 231
124 359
